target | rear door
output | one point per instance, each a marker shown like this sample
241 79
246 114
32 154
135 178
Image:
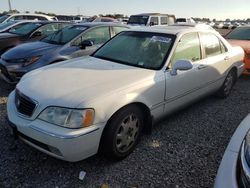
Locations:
216 57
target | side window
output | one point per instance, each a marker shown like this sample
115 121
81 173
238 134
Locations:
97 36
154 21
48 29
212 45
164 20
42 18
188 48
18 18
223 47
117 30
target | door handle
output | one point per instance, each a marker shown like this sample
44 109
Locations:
202 67
226 58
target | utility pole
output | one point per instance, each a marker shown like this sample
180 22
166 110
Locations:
10 6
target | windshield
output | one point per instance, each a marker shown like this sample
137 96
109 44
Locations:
139 49
3 18
240 33
138 20
65 35
25 29
6 24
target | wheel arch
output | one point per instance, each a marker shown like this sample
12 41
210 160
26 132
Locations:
147 117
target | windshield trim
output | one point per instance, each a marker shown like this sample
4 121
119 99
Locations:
172 36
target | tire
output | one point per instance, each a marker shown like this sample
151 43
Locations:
122 133
228 84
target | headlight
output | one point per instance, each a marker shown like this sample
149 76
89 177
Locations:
31 60
69 118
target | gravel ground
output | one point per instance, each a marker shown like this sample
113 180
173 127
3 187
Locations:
184 150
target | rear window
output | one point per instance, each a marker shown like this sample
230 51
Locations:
141 20
240 33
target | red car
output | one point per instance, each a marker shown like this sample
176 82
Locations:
241 37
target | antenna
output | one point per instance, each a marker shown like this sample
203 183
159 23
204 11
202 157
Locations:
10 5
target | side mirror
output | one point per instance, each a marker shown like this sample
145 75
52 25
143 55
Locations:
181 65
36 34
86 43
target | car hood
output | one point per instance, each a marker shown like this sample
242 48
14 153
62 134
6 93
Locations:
242 43
7 35
78 81
29 49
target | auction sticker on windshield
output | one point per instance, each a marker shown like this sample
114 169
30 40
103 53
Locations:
161 39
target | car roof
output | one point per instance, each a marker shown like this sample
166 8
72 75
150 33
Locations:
174 30
151 14
47 22
94 24
28 14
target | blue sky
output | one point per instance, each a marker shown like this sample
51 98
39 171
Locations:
219 9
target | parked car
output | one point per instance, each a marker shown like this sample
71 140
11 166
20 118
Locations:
151 19
185 20
105 19
5 27
80 19
240 36
28 32
103 102
37 17
71 42
234 170
218 25
64 18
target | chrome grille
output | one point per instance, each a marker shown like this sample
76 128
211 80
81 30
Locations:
24 104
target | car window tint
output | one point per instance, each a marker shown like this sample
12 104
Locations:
42 18
146 50
65 35
26 29
188 48
117 30
97 36
164 20
49 29
154 20
211 44
240 33
18 18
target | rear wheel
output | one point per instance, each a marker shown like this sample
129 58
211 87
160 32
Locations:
122 133
228 84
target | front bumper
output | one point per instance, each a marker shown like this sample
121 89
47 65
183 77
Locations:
229 171
62 143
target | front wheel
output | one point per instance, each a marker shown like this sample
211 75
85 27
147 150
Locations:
122 133
228 84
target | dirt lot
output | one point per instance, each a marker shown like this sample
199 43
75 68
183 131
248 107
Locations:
183 151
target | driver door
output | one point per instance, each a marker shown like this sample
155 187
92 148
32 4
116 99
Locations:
186 85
